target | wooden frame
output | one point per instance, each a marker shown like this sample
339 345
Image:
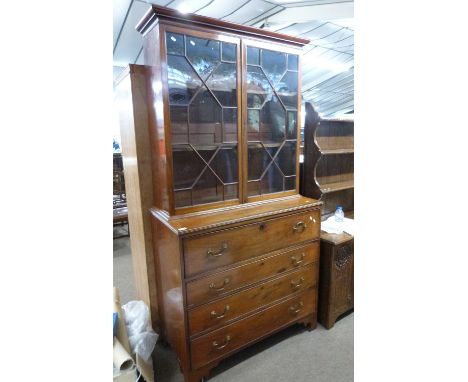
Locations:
164 20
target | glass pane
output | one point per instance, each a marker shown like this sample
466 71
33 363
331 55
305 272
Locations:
274 64
257 161
253 124
289 183
253 188
258 87
205 119
224 164
272 92
175 43
229 52
203 54
273 121
206 152
231 191
208 189
292 61
291 129
223 83
187 166
287 89
183 198
183 82
230 124
179 124
272 181
253 56
286 158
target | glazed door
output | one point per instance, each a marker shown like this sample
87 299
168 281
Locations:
271 94
203 76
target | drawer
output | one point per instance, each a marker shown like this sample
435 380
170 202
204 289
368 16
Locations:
205 252
221 342
216 285
217 313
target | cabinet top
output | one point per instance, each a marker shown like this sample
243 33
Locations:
240 214
157 13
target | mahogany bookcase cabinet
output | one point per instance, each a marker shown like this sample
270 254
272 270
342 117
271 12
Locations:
235 246
328 175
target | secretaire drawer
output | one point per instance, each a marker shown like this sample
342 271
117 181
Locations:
220 342
219 284
210 251
219 312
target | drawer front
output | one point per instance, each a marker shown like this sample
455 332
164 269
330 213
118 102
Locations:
222 283
222 311
220 342
206 252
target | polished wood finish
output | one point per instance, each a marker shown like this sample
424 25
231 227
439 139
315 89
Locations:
206 252
336 291
233 263
157 14
220 312
247 273
131 100
228 339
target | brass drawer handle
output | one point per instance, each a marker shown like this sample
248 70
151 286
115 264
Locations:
217 346
295 309
218 289
295 260
210 253
299 227
218 316
296 285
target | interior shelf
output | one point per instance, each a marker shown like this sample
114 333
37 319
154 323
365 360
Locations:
337 151
336 186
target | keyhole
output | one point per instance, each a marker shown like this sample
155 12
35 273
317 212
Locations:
262 226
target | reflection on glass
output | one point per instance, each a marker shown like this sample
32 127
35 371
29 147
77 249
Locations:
203 54
229 52
258 87
291 131
286 158
175 43
253 56
274 64
292 61
205 119
179 124
182 80
223 83
271 120
287 89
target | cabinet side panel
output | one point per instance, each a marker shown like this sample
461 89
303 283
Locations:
171 295
151 47
136 152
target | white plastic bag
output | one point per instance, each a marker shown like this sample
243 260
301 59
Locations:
141 335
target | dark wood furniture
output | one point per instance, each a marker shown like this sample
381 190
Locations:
328 171
328 175
235 246
336 289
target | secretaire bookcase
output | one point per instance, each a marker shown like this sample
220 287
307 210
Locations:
236 247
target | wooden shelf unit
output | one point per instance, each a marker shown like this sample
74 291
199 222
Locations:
328 170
